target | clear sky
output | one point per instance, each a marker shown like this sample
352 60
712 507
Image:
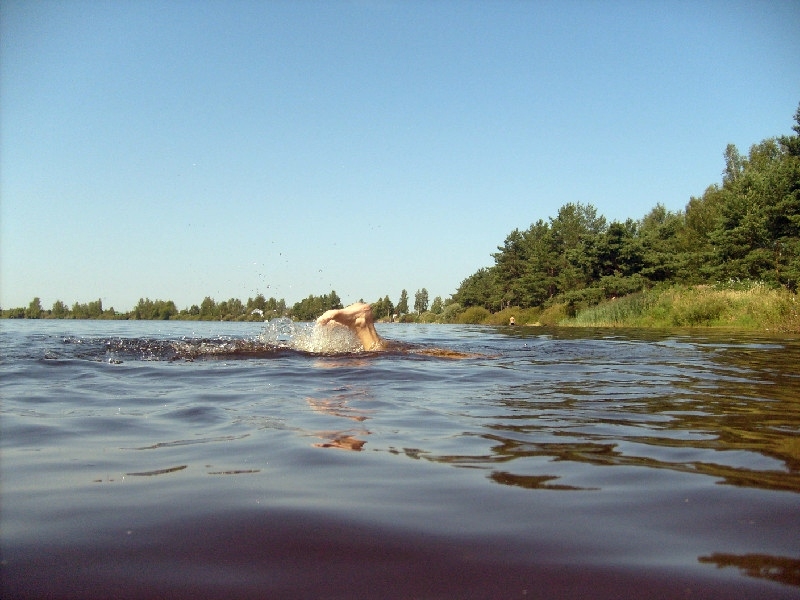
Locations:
181 149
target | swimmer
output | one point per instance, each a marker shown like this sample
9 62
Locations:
512 321
358 318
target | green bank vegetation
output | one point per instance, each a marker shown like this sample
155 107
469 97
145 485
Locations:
255 309
730 258
741 305
233 309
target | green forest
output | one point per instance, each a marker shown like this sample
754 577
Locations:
741 234
748 228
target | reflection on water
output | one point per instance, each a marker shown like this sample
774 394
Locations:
570 451
338 405
532 482
157 471
341 441
609 454
731 413
762 566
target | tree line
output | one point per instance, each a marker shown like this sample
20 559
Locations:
747 228
146 309
233 309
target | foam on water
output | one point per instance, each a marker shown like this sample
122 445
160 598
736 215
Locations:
309 337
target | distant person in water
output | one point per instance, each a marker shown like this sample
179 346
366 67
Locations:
358 318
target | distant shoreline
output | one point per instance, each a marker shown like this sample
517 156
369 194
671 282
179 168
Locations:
750 306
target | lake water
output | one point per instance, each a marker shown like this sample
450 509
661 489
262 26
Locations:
236 460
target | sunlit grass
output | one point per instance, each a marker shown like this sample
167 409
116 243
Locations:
743 305
522 316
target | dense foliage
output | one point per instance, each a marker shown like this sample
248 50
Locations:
256 309
311 307
748 228
233 309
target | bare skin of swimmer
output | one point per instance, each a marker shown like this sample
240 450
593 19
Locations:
358 318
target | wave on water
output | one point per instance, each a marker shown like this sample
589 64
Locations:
278 337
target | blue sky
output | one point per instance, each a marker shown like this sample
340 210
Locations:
182 149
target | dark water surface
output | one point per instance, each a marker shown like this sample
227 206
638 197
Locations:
211 460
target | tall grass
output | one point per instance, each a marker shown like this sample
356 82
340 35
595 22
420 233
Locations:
473 315
522 316
743 305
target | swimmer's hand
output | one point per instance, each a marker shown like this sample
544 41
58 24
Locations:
355 315
358 318
328 317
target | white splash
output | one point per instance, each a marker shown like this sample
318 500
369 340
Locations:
309 337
